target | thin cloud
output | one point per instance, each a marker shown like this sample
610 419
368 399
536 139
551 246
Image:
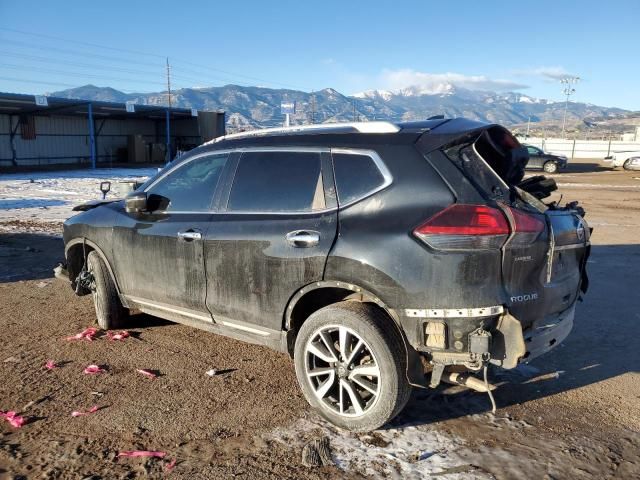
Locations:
552 73
436 82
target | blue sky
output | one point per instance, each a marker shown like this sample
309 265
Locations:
347 45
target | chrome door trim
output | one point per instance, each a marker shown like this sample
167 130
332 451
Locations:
169 308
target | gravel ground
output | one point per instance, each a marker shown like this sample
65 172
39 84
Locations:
574 413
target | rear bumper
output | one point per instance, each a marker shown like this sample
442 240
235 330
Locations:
548 333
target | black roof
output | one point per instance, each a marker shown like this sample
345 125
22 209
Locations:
436 132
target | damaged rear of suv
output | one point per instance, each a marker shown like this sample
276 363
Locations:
380 256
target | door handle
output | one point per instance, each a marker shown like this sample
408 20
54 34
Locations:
303 238
189 235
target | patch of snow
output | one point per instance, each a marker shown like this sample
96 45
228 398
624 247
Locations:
436 88
50 196
408 451
386 95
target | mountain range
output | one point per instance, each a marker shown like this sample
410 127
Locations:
250 107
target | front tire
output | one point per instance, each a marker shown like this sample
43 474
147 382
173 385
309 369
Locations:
550 167
626 164
109 310
351 364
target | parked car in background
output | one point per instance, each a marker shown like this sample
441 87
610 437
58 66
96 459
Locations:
380 256
627 160
540 160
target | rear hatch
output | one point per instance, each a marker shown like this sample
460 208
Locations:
543 277
544 257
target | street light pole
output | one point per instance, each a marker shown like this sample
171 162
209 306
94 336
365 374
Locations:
568 91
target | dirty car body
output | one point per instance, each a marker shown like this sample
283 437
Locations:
426 226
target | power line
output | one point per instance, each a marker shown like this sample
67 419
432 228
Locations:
80 74
74 64
24 80
67 51
239 75
51 60
134 52
80 43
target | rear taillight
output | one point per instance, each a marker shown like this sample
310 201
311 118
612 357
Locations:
527 227
465 227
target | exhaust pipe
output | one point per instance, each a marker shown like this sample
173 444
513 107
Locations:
469 381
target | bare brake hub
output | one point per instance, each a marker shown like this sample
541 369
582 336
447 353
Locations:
85 281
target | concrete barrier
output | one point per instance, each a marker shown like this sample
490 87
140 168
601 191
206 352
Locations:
597 149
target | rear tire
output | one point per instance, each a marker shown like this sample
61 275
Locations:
550 167
109 310
626 164
351 365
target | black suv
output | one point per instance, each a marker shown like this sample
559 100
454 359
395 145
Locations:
380 256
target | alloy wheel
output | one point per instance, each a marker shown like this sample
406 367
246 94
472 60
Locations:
342 370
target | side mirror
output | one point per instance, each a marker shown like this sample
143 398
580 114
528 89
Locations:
136 203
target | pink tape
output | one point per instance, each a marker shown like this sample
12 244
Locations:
141 453
170 465
118 336
50 365
93 369
13 418
93 409
146 372
87 334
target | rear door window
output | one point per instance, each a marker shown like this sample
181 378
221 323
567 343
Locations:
277 181
357 175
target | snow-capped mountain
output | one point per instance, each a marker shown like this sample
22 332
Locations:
248 107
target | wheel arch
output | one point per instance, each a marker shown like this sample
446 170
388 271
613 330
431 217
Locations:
76 251
317 295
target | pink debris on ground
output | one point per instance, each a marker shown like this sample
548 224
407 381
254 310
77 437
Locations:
169 466
50 365
146 372
93 369
13 418
142 453
118 336
87 334
93 409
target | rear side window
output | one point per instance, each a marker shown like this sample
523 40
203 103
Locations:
356 176
190 187
277 182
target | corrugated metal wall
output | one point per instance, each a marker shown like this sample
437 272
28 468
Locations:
65 139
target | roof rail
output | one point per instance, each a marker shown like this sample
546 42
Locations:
348 127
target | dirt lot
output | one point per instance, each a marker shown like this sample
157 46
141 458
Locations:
574 413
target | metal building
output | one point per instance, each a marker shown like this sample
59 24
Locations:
38 131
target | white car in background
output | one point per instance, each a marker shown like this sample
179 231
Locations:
627 160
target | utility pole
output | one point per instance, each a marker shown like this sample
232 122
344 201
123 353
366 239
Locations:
168 141
355 118
528 125
568 91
